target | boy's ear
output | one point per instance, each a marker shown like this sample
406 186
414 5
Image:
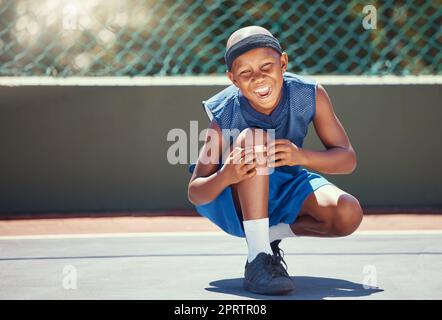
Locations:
284 60
230 76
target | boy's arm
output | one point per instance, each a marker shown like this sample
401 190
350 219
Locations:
207 182
339 156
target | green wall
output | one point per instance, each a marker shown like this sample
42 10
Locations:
70 148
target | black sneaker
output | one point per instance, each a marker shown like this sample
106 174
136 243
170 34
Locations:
266 275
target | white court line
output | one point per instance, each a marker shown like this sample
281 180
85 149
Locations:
113 235
194 234
208 80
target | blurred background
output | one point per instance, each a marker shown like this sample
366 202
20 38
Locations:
184 37
89 91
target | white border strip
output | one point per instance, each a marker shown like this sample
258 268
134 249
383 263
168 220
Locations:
113 235
206 80
194 234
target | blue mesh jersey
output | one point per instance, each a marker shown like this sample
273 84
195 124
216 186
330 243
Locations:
290 119
289 186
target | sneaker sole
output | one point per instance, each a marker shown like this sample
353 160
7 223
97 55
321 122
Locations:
265 290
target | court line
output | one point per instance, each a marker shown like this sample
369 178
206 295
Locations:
174 255
195 234
208 80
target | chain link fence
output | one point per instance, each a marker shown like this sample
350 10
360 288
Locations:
184 37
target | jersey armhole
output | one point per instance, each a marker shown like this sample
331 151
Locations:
208 112
315 93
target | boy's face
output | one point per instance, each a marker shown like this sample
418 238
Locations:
258 74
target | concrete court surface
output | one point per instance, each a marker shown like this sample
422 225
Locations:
209 265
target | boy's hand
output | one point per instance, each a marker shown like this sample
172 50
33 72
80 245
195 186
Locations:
239 165
283 152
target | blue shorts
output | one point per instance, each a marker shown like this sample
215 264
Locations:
287 193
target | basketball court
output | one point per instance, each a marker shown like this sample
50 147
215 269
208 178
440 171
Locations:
197 264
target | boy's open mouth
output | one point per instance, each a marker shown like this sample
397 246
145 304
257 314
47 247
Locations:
263 92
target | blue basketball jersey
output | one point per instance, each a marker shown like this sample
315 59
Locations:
290 119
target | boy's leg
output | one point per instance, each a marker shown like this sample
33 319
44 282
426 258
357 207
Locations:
328 212
251 199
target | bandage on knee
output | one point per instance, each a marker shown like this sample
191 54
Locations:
261 159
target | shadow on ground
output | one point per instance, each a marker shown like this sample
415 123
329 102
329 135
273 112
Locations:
306 288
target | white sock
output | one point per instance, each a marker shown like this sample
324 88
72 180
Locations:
257 235
280 231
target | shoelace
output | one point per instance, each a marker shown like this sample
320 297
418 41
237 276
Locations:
280 253
274 266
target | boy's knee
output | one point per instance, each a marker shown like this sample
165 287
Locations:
256 139
348 216
251 137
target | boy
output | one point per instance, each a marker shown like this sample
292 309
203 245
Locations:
288 201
